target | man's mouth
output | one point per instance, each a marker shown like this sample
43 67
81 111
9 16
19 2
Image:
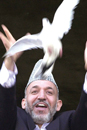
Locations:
41 105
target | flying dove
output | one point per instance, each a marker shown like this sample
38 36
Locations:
49 39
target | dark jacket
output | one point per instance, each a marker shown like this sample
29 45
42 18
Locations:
14 118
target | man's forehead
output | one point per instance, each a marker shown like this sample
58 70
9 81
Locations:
40 87
41 84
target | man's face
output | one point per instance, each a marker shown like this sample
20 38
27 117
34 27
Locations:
41 101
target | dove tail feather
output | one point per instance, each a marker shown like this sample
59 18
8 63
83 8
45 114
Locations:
45 68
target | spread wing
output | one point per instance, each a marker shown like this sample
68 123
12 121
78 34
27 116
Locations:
25 43
63 17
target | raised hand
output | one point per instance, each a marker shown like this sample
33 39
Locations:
8 40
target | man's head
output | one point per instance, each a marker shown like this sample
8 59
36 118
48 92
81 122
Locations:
41 99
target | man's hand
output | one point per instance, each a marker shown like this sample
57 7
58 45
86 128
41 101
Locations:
85 56
8 41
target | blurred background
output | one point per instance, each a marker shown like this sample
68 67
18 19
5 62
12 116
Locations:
22 16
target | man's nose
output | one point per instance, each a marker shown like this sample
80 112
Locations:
42 95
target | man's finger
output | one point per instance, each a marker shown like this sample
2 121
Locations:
4 40
7 32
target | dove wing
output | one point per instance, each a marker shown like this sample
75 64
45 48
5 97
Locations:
25 43
63 17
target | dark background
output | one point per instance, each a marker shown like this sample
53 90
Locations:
22 16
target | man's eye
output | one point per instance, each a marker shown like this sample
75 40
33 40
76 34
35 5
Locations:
34 92
49 92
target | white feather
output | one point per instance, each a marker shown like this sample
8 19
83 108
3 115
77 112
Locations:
25 43
63 17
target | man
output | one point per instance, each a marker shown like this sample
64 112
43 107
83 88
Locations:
41 101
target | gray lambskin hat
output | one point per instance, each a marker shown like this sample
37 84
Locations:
33 78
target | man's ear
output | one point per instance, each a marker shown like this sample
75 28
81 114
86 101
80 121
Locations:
23 102
59 105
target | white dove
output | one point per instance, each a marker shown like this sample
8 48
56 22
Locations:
49 39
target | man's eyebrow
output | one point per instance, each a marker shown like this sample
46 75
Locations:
34 87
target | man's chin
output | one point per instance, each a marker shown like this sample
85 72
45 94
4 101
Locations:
41 118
